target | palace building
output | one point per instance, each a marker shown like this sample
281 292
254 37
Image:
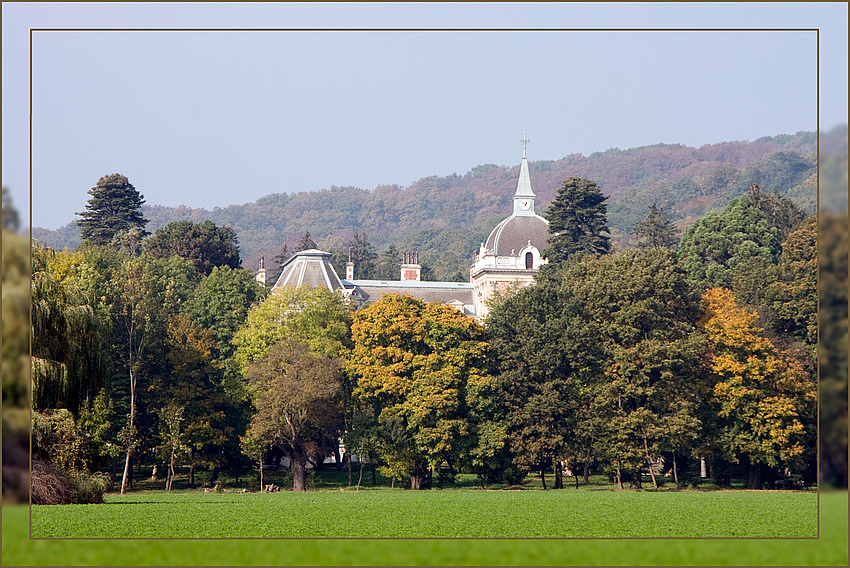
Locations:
511 256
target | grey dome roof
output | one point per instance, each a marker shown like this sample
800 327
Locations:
513 234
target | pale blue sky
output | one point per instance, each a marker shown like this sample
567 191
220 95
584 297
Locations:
212 118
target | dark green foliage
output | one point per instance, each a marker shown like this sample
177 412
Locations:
780 211
221 303
646 391
306 243
114 207
656 230
714 246
203 244
539 388
388 266
577 221
363 255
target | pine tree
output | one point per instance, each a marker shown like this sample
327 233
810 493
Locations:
363 256
306 243
656 228
114 208
577 221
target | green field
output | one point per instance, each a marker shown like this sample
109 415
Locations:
830 548
436 514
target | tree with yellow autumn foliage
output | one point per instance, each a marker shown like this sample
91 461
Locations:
765 403
414 364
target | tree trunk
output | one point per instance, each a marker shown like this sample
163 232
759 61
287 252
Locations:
619 476
171 472
191 470
372 467
586 475
543 471
675 475
337 459
348 458
754 481
649 463
416 481
298 463
559 475
126 476
361 475
636 480
261 474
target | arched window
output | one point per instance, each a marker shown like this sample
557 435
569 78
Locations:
529 261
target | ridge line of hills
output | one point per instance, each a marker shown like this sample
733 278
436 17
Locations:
445 218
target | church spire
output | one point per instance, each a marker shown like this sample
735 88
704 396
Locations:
524 196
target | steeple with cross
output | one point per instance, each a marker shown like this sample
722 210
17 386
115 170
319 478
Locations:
524 197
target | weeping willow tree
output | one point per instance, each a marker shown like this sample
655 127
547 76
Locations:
68 365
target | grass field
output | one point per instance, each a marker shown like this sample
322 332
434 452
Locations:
829 549
436 514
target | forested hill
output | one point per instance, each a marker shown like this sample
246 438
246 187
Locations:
445 218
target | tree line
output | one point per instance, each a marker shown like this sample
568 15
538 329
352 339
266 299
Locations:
159 349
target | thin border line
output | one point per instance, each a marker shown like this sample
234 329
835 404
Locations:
517 30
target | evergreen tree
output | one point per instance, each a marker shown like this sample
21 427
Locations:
363 256
389 264
657 230
781 212
114 207
203 244
275 271
306 243
577 221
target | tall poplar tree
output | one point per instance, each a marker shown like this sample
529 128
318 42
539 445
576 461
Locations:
577 221
114 207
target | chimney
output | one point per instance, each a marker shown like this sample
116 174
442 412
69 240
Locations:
261 273
349 267
410 269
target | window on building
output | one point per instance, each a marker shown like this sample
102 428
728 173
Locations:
529 261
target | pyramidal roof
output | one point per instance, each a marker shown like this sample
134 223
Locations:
523 186
312 267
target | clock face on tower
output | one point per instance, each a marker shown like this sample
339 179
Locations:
525 204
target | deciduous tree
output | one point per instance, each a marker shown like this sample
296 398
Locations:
297 396
205 245
765 403
414 362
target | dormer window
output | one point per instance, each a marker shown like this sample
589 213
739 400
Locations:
529 261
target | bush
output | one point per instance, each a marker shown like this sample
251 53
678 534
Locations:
50 485
90 488
53 486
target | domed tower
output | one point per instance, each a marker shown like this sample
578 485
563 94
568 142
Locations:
512 253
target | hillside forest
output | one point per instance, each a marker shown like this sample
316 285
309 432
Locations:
446 218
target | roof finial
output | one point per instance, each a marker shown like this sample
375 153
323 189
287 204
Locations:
524 140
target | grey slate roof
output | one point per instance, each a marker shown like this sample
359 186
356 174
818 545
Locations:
443 292
513 234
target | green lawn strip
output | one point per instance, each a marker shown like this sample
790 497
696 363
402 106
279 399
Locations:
828 550
436 514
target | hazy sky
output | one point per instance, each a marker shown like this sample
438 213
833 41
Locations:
212 118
